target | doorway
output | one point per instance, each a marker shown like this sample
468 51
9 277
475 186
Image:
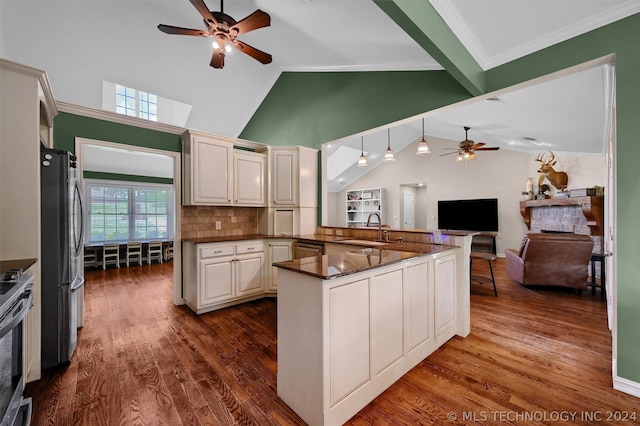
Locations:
124 153
413 206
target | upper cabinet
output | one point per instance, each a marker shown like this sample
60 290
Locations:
249 171
216 175
293 173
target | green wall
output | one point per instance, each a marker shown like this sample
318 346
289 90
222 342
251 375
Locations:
69 126
313 108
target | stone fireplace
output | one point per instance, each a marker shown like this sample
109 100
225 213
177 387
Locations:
580 215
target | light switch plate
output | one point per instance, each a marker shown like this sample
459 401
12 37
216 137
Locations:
218 225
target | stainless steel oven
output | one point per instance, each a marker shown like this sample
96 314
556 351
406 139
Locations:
16 299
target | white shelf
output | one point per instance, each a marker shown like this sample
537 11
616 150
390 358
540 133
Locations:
361 203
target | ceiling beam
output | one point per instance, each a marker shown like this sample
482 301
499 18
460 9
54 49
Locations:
423 23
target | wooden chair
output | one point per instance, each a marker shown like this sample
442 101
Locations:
110 251
90 255
154 250
168 251
134 250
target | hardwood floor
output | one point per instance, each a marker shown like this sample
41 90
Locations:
533 357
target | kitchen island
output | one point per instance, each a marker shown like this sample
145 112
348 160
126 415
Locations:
351 324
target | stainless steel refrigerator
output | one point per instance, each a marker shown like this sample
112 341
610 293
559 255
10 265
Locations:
61 255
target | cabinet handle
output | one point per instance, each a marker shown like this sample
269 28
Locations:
217 251
250 248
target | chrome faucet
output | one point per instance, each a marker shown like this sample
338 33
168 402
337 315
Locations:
379 224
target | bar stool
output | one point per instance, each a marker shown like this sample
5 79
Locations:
154 249
489 257
110 251
134 250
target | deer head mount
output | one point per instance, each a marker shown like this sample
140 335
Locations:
558 179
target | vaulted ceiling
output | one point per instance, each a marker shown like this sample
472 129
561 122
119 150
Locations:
80 44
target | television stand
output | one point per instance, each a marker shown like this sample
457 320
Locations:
484 242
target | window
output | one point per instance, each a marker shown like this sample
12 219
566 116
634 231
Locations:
127 211
136 103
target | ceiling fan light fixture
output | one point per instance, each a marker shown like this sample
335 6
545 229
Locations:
362 161
423 147
215 44
459 157
388 155
227 48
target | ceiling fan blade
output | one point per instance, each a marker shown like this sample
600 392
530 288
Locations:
257 19
217 59
259 55
205 12
489 148
449 153
477 145
169 29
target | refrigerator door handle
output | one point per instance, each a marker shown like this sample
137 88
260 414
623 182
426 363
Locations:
77 283
78 243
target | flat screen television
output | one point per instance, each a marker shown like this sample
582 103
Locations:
468 215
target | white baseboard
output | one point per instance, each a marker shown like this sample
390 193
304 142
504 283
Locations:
626 386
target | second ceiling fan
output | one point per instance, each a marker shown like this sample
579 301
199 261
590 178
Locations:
467 148
225 31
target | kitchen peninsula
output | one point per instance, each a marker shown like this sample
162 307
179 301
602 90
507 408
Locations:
350 324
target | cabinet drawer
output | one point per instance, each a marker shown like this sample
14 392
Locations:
249 248
206 252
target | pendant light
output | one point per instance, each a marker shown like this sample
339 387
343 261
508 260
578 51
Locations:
362 162
423 147
388 156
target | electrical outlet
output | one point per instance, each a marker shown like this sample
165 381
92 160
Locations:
218 225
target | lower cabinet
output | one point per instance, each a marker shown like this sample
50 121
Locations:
342 342
279 251
216 275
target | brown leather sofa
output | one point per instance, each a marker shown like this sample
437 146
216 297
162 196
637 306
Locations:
551 259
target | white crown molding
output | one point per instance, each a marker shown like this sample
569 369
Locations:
114 117
118 118
38 74
361 68
452 18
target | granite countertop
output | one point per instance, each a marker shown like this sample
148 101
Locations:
24 264
327 267
231 238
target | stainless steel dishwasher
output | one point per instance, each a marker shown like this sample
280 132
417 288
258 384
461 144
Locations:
301 250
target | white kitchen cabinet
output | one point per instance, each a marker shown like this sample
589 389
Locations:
343 341
445 298
249 267
207 169
216 283
28 109
284 184
293 175
216 275
279 251
249 173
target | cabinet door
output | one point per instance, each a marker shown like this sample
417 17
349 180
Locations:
211 179
216 281
445 294
248 173
278 252
348 339
285 178
417 306
386 320
249 275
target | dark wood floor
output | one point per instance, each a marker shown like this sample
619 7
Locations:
531 357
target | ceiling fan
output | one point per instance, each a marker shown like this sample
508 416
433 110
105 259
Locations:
225 30
467 148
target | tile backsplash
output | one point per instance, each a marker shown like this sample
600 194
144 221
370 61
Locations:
200 221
